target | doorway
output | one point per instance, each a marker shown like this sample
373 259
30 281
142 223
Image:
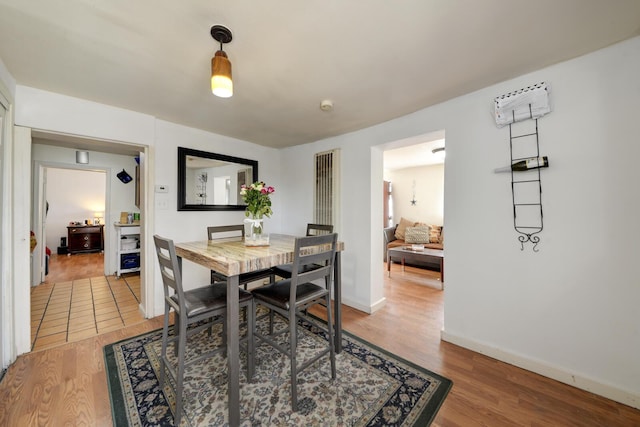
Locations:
413 189
53 152
75 196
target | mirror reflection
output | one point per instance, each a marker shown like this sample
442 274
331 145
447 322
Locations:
210 181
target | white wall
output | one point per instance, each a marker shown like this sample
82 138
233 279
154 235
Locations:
573 306
189 226
428 182
7 80
48 111
569 311
73 195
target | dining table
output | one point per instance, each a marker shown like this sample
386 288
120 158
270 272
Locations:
231 257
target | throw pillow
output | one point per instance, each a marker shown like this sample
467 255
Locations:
434 233
418 234
404 223
442 236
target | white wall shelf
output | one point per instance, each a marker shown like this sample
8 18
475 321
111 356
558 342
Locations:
128 260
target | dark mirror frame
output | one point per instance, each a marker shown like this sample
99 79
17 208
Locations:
182 173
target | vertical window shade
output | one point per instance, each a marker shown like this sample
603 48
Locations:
327 185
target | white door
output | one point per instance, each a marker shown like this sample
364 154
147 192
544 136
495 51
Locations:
21 226
5 356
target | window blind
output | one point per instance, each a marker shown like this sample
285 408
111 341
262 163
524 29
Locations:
327 186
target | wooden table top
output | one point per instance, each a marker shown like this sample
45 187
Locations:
231 257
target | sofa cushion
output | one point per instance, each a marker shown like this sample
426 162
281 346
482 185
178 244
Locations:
434 233
418 234
402 226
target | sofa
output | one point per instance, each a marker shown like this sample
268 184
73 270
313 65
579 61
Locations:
408 232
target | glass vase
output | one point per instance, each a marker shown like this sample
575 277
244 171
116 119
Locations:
255 235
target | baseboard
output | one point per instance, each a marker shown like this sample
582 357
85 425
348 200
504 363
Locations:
623 396
378 305
367 309
142 312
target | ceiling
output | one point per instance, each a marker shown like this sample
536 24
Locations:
374 59
420 154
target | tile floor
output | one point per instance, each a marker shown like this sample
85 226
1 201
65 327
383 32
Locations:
72 310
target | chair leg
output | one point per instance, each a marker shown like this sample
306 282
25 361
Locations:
251 320
332 353
176 331
270 322
182 343
224 333
165 338
293 344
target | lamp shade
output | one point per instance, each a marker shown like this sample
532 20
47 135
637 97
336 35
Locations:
221 83
97 216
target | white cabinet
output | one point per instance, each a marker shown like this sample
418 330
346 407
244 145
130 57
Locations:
128 246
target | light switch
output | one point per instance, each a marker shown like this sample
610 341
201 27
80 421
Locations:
162 188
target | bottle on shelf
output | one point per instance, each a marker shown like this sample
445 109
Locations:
525 165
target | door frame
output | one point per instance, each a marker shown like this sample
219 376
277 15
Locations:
7 355
19 265
38 211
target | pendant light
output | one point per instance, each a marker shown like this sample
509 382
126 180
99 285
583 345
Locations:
221 83
82 157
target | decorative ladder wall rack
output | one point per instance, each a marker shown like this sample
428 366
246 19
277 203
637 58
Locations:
527 231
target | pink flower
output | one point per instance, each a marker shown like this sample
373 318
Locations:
256 197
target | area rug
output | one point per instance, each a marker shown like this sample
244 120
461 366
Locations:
372 387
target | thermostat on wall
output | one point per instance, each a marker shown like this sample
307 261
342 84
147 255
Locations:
162 188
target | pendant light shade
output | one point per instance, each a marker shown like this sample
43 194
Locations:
82 157
221 82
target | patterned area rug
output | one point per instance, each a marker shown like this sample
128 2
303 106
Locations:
372 387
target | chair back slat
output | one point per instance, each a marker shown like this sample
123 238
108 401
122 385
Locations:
225 231
318 229
319 250
169 267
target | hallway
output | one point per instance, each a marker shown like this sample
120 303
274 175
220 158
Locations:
77 301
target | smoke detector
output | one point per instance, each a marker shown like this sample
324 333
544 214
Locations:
326 105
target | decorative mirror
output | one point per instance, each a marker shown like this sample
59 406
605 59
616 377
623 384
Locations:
211 182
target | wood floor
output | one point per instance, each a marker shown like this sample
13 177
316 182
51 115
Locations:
77 301
66 385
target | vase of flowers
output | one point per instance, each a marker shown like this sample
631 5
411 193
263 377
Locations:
257 198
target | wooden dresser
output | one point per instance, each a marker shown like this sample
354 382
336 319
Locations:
85 238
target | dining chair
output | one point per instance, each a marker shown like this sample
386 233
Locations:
290 297
235 232
203 306
284 270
